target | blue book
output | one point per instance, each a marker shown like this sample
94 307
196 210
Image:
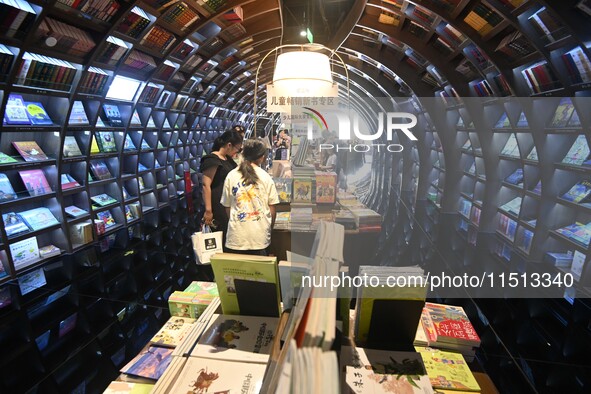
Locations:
516 177
37 113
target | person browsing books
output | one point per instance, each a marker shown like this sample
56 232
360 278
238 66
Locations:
250 196
215 167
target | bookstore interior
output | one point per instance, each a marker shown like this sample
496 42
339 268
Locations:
470 213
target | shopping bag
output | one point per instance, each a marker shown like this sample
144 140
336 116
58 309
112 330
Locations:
206 243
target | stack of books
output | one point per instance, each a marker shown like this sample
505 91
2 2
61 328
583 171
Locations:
367 220
69 39
301 218
193 301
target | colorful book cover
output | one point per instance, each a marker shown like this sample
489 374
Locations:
14 224
24 252
302 190
563 113
107 218
5 159
94 148
574 121
32 281
215 376
100 171
75 212
150 364
15 111
113 115
283 186
103 200
451 324
173 331
39 218
6 190
106 141
578 152
128 144
503 122
516 177
49 250
326 187
128 213
511 148
30 151
240 277
578 192
522 122
78 114
35 182
237 338
68 182
447 370
71 147
37 113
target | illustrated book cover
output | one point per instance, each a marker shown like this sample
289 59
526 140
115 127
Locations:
30 150
448 370
14 224
6 190
113 115
37 114
39 218
106 141
71 148
173 331
150 364
35 182
78 114
103 200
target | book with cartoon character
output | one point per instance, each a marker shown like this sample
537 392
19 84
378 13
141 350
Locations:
173 331
237 338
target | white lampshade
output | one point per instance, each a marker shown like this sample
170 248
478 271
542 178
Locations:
303 74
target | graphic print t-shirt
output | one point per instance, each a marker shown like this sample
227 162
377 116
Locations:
249 226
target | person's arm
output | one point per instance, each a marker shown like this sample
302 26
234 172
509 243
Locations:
228 209
273 215
208 176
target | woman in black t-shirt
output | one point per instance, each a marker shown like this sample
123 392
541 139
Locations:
215 167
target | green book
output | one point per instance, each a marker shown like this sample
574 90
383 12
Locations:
248 285
5 159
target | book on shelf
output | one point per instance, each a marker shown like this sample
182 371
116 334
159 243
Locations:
144 145
513 206
94 148
17 17
533 155
106 141
516 177
113 51
81 233
37 113
14 224
284 189
93 82
538 188
128 144
303 190
15 111
32 281
6 190
577 232
150 363
67 325
71 148
540 78
134 23
74 211
483 19
180 15
503 122
515 45
511 147
5 159
151 123
24 252
579 192
70 40
39 218
78 114
35 69
135 119
128 213
113 115
438 364
563 113
68 182
522 121
448 325
35 182
99 170
30 151
102 200
578 65
107 218
527 240
103 11
578 152
158 39
242 279
578 264
49 251
507 226
247 339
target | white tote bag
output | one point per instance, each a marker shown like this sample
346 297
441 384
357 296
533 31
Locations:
206 244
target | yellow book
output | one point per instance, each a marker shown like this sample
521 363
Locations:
94 148
447 370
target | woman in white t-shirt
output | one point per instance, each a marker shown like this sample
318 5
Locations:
250 196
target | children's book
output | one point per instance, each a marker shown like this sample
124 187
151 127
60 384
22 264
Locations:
71 147
150 364
78 114
99 170
103 200
75 212
37 113
113 115
15 111
5 159
173 331
39 218
30 151
563 113
106 141
14 224
6 190
326 187
24 252
302 190
68 182
107 218
35 182
578 152
447 370
579 192
283 186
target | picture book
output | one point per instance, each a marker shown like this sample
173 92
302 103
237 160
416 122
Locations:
516 177
71 147
381 371
150 364
99 170
94 148
75 212
106 141
451 324
49 250
78 114
68 182
447 370
237 338
30 151
5 159
103 200
173 331
113 115
326 187
32 281
37 113
578 152
14 224
107 218
247 285
533 155
503 122
513 206
579 192
522 122
24 252
128 144
6 190
39 218
35 182
215 376
128 213
15 111
511 148
302 190
563 113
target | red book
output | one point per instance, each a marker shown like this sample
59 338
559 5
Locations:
452 325
30 151
35 182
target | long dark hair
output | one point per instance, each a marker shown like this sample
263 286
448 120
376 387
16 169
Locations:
230 136
252 150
